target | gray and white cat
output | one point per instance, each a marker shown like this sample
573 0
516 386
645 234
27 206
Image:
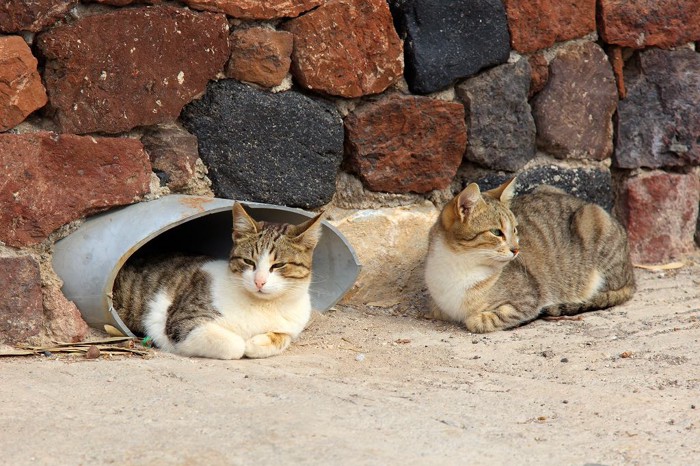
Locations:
495 261
252 305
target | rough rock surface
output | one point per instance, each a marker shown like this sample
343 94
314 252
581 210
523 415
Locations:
538 24
658 124
649 23
21 91
63 318
447 40
403 144
347 48
21 312
539 73
573 113
62 178
282 148
404 244
256 9
260 56
101 74
33 16
660 211
590 184
501 128
173 153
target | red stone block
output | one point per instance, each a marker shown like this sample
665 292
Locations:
58 179
132 67
33 16
347 48
538 24
406 144
660 211
21 312
260 56
21 91
256 9
649 23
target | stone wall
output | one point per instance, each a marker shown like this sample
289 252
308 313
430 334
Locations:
376 111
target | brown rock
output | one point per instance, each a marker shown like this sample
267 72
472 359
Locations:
131 67
347 48
33 16
21 91
573 113
62 178
539 73
406 144
256 9
649 23
123 2
21 314
618 65
260 56
63 318
538 24
660 211
173 153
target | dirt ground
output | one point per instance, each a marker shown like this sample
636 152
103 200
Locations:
371 386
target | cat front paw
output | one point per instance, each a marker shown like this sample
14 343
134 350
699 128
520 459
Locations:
503 317
267 344
483 322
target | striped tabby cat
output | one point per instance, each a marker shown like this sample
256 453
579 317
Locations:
253 304
494 264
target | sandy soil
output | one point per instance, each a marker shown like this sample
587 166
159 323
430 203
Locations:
374 387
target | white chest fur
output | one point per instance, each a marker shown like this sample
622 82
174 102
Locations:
247 316
450 275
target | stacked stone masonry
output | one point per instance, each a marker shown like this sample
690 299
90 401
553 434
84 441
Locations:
339 104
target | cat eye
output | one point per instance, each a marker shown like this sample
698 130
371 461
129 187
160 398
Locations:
278 265
497 232
249 262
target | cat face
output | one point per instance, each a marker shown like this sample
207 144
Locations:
272 259
482 225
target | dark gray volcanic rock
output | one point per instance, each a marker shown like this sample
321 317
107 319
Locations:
280 148
448 40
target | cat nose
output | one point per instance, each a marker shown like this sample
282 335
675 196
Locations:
515 251
260 281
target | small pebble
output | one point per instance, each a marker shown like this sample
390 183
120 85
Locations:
360 357
48 354
564 360
548 353
93 352
626 354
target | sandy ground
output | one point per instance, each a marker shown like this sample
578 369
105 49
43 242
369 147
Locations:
369 386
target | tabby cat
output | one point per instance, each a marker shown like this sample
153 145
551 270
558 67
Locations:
496 262
252 305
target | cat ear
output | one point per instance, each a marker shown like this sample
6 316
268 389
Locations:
504 192
242 222
309 232
467 200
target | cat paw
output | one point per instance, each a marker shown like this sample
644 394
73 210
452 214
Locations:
484 322
212 341
265 345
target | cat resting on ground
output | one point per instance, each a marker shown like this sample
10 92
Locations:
496 262
253 304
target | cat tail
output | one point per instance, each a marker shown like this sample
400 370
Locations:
602 300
